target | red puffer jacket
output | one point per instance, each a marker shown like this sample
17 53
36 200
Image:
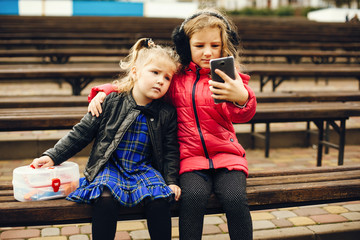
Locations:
206 135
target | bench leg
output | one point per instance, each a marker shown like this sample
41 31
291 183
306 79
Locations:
327 136
265 137
78 84
320 125
263 82
308 133
252 136
341 130
342 142
276 82
267 140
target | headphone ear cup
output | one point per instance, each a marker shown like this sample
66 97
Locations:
234 38
182 46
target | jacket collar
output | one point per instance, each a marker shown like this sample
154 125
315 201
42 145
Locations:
193 67
149 110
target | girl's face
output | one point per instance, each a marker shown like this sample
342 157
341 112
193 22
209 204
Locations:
205 44
153 80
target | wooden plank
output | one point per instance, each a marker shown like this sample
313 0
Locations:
261 97
304 70
112 69
292 193
66 117
82 52
278 32
67 52
37 71
304 178
60 210
287 172
79 75
306 96
298 53
42 101
277 112
4 195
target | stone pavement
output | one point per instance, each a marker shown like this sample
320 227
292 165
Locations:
326 221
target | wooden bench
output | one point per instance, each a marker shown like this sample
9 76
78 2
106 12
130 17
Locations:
21 32
43 101
45 118
120 32
278 73
80 75
77 75
320 113
61 56
261 97
249 56
296 33
305 96
330 46
265 190
297 56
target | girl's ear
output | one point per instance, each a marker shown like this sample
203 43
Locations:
133 71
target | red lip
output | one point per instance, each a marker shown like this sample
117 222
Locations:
157 89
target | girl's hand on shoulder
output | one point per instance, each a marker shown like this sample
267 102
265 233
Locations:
95 104
231 90
177 190
42 162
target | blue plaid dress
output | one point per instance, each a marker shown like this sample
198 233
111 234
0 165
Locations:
128 175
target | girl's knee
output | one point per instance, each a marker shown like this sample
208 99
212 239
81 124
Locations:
195 195
195 186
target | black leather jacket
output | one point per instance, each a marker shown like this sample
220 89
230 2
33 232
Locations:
108 129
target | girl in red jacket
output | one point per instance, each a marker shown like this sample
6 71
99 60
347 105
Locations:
212 160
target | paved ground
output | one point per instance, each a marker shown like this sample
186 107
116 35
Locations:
327 221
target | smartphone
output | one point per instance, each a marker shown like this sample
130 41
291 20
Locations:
225 64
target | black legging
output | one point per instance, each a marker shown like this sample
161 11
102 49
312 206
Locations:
106 209
230 189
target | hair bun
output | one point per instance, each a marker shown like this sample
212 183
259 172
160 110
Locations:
148 43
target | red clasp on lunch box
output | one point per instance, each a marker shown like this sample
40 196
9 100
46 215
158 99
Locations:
55 184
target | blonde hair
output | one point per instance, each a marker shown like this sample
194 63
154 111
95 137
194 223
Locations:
142 53
211 18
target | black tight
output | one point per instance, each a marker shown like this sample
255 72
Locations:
104 217
230 189
158 219
106 209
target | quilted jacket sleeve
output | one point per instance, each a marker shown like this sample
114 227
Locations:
106 88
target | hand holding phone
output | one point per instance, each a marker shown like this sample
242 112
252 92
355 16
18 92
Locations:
225 64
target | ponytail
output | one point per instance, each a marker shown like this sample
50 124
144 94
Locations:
143 51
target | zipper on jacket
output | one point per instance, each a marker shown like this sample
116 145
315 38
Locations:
211 165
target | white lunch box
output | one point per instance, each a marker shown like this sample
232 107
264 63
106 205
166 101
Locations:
45 183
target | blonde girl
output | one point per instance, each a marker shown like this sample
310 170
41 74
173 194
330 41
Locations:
211 158
135 156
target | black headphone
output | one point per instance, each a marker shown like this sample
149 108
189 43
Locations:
181 41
